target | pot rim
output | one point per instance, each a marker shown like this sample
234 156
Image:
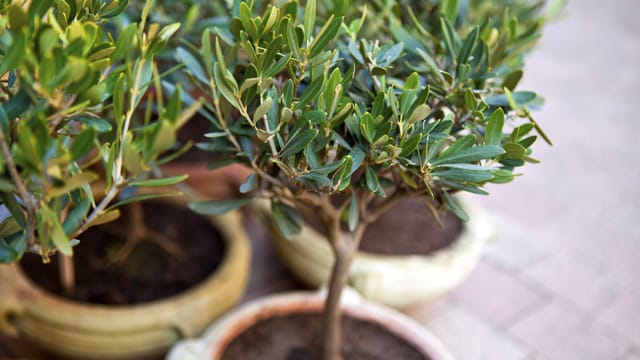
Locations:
230 228
214 341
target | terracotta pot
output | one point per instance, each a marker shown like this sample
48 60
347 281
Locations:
215 340
87 331
220 183
393 280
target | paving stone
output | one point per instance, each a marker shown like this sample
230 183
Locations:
468 336
623 317
497 295
577 281
516 247
559 332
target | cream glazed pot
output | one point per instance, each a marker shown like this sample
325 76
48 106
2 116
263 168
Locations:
394 280
213 342
87 331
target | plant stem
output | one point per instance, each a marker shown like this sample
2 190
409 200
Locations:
67 273
30 202
345 246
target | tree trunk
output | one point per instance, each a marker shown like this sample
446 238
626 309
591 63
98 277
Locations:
344 251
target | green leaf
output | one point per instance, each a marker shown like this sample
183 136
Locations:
114 11
464 175
248 184
420 113
325 36
455 208
309 19
310 93
160 182
411 44
83 143
289 222
6 186
431 64
217 207
495 124
49 225
17 18
513 100
368 127
511 81
14 53
449 9
471 154
460 144
447 34
468 46
262 111
75 216
371 179
354 212
514 151
298 141
410 144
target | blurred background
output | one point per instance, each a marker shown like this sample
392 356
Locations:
562 280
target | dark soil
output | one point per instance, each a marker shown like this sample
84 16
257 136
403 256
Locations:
408 228
298 337
149 272
194 131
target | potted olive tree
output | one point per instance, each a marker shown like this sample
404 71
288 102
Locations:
77 142
429 254
341 127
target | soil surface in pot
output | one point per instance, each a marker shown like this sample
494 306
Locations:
299 336
408 228
411 228
194 131
149 272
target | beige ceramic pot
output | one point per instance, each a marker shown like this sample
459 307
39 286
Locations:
215 340
86 331
393 280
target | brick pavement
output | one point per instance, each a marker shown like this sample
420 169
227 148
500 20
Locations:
562 281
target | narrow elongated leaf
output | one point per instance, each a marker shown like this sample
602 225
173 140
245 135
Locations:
371 179
309 19
460 144
471 154
449 9
160 182
76 215
298 142
325 36
217 207
495 124
14 54
464 175
310 93
248 184
455 208
83 143
354 212
289 222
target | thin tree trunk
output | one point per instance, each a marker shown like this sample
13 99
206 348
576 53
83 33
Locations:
67 273
66 268
345 250
332 317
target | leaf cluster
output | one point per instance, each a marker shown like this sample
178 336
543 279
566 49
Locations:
317 107
76 106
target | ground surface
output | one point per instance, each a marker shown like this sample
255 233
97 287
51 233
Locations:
562 281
